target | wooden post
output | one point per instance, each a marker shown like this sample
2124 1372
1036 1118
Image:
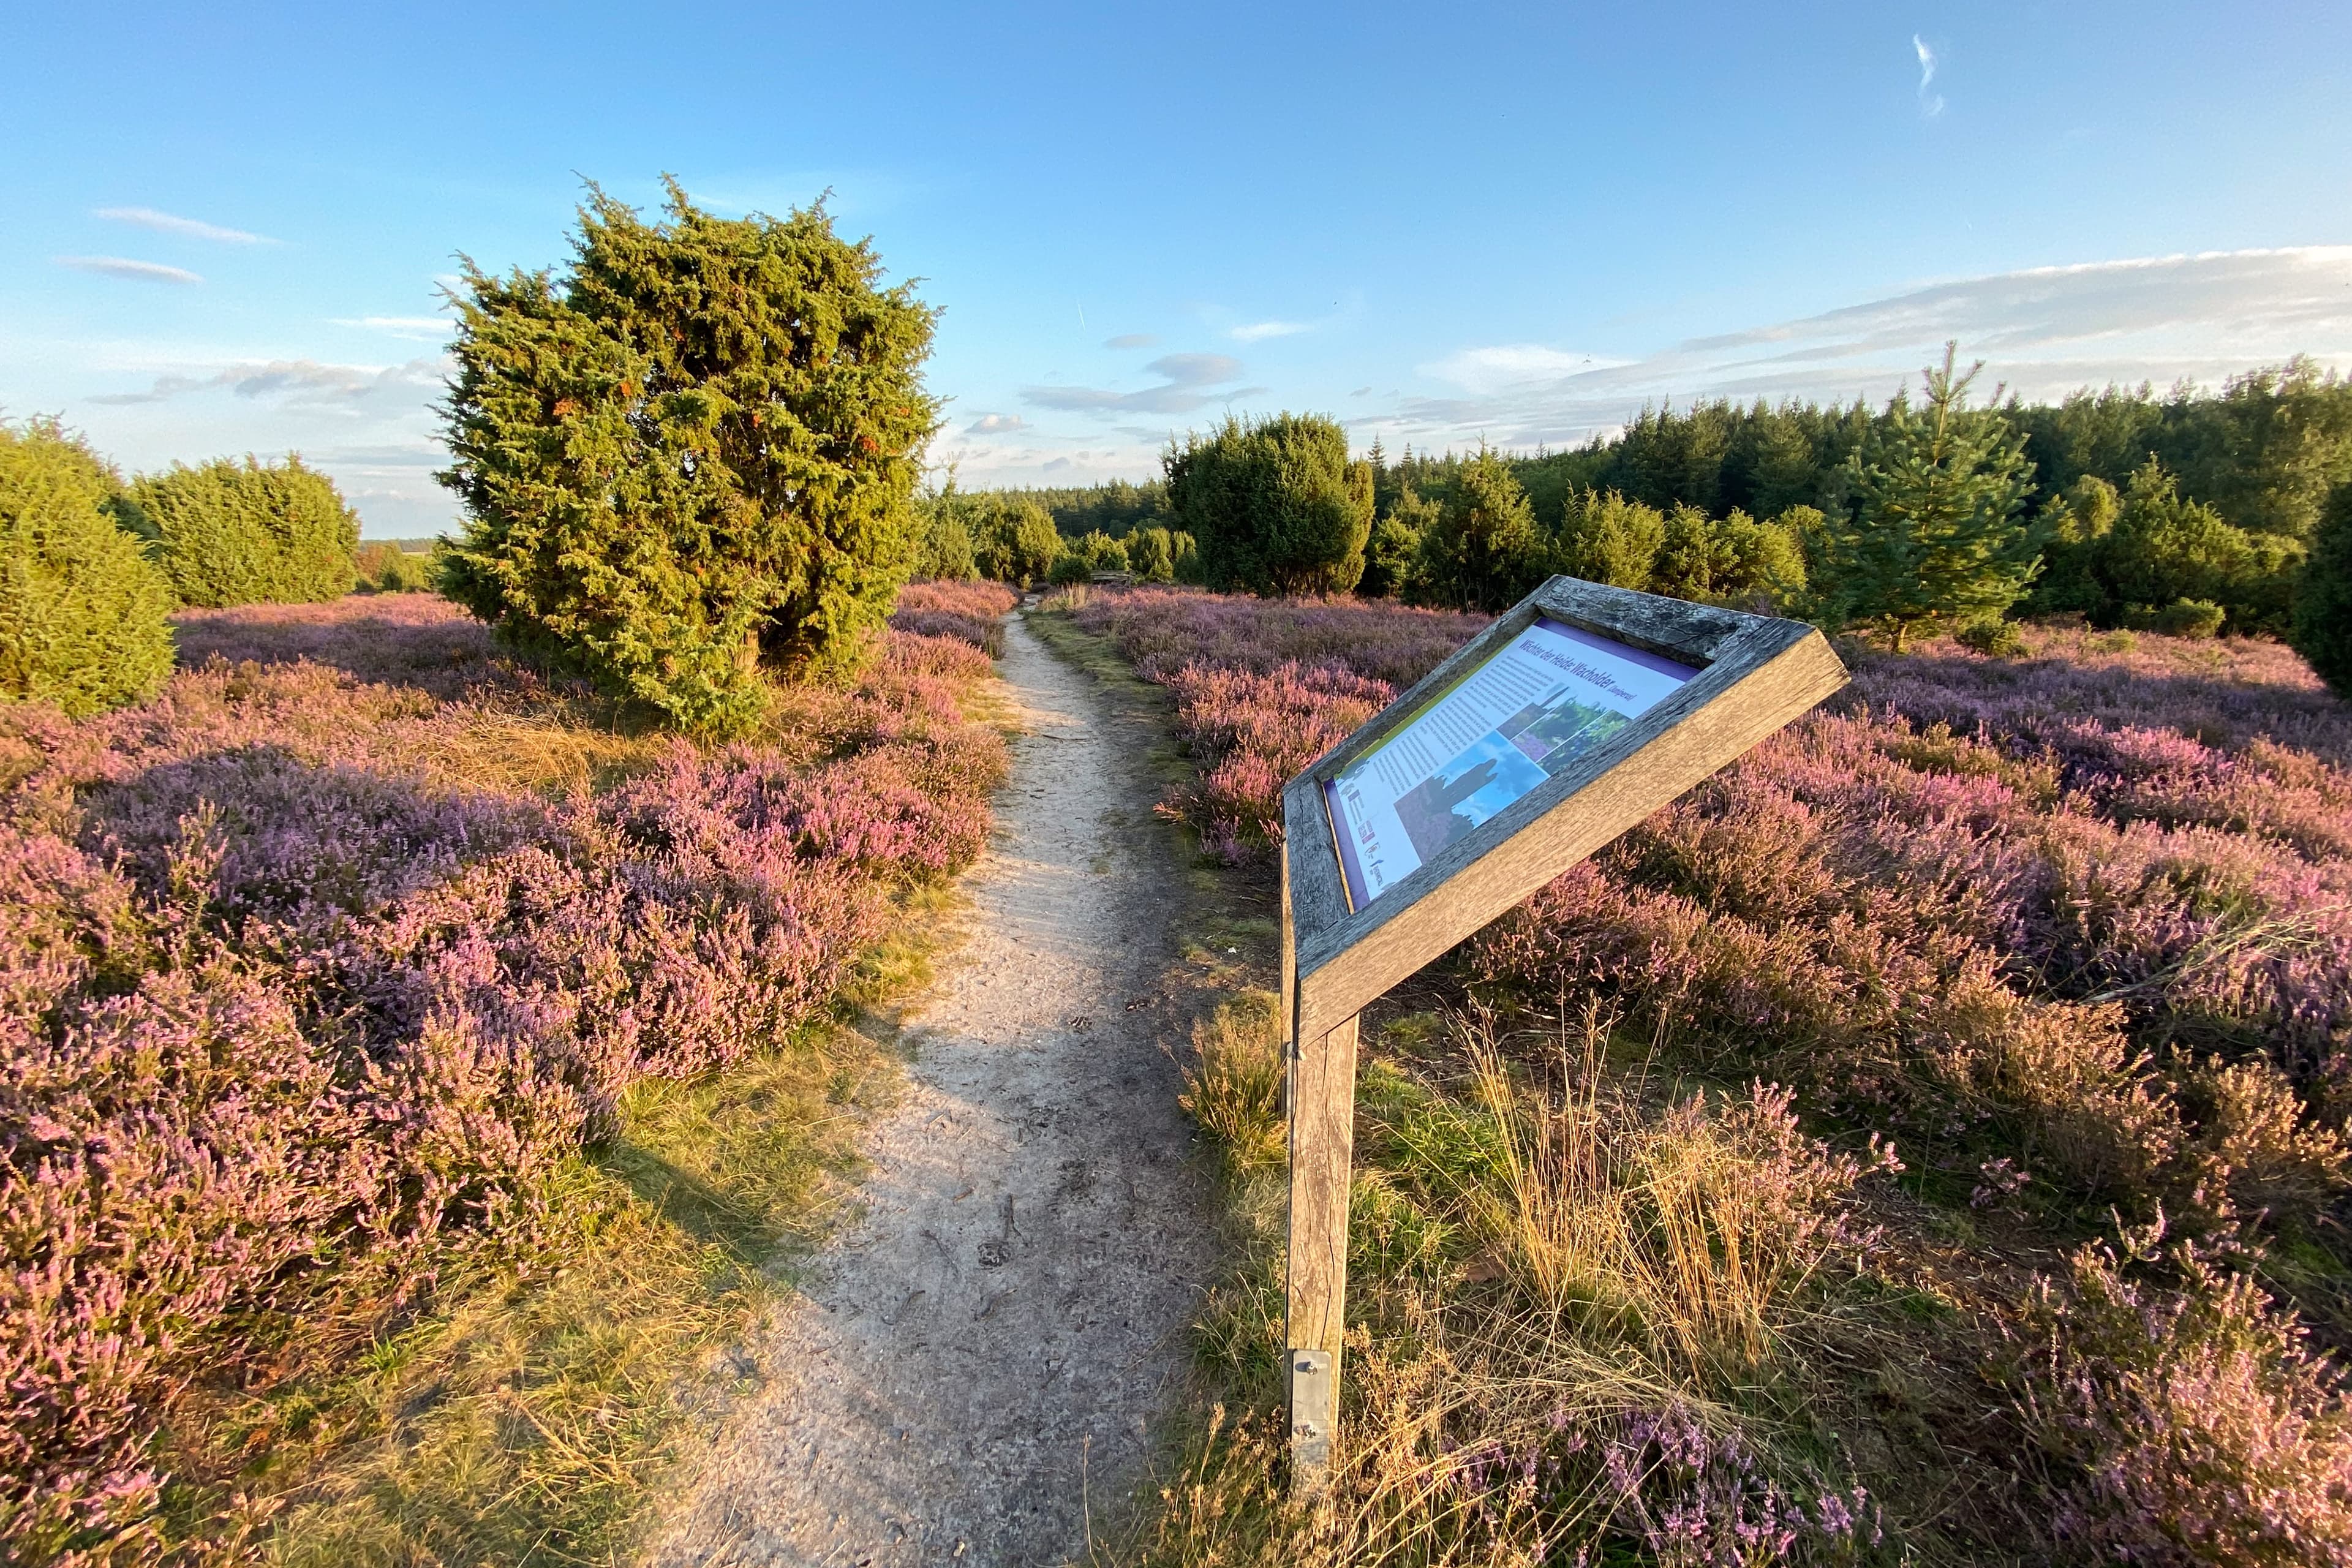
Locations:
1322 1094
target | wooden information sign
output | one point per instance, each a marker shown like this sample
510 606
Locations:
1578 713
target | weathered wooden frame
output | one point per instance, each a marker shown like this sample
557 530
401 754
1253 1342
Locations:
1756 673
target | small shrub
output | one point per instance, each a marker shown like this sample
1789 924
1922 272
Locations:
1152 555
389 569
971 611
1993 638
2189 618
2259 1146
2199 1426
1102 553
81 609
1234 1088
1070 566
251 533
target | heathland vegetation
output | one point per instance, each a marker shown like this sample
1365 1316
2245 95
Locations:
1928 1140
1924 1142
425 1044
428 1035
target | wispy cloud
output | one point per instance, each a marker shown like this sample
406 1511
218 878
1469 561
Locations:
122 267
303 383
1258 332
2044 331
996 424
1127 342
186 227
1185 379
420 329
1931 103
1512 365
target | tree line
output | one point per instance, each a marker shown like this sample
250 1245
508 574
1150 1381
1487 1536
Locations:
2193 513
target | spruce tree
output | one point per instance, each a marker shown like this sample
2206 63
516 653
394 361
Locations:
691 457
1931 529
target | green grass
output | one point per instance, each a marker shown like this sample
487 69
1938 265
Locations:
529 1411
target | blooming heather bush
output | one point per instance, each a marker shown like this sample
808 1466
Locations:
1265 687
970 610
1255 732
2197 1425
2033 893
1160 630
283 985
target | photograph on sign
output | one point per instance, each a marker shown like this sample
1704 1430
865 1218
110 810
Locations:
1546 697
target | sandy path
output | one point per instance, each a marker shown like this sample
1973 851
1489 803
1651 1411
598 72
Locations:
997 1331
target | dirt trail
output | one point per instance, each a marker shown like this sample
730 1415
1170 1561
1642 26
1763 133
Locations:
986 1346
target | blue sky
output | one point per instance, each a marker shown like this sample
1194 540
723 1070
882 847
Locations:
221 228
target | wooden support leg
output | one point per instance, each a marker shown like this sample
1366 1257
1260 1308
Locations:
1322 1094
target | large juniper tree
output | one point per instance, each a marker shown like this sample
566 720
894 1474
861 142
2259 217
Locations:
1275 504
1933 528
691 455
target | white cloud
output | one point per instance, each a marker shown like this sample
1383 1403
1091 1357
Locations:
996 424
1258 331
299 384
1931 104
418 329
1183 380
1511 364
186 227
2043 331
997 463
122 267
1127 340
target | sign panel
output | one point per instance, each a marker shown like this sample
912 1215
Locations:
1521 716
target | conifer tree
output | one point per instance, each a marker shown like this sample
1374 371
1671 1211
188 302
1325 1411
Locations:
2323 610
1604 538
251 532
1014 541
1932 528
1483 551
81 608
691 457
1393 555
1275 503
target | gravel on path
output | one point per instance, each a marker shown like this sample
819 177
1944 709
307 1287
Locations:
982 1354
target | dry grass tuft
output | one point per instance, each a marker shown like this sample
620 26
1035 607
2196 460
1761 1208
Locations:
1572 1299
1233 1090
1692 1230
